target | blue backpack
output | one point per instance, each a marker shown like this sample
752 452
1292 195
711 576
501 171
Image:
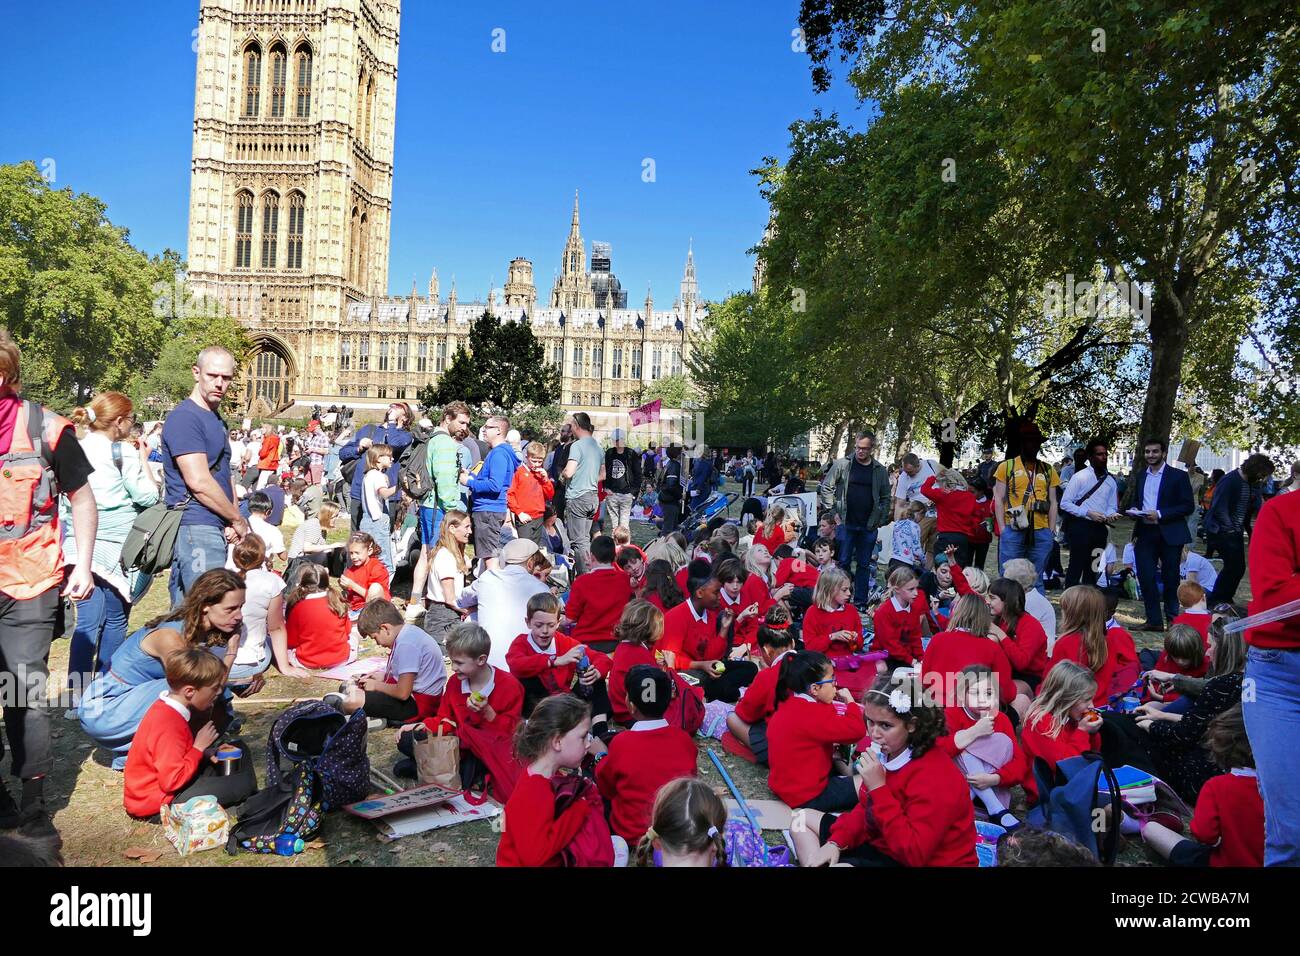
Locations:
315 735
1071 803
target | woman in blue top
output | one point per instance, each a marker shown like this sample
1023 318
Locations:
123 486
211 617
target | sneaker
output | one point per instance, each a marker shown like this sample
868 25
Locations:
376 723
414 612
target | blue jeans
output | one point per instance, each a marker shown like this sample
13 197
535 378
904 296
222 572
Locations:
1012 543
859 544
101 628
381 531
199 548
1270 702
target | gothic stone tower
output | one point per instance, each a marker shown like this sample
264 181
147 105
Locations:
291 183
572 289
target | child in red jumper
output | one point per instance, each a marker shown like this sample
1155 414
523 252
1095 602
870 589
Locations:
965 642
811 718
1019 634
696 638
530 490
641 760
597 598
639 630
983 742
1183 653
631 560
745 616
914 808
832 625
554 739
366 578
482 705
318 632
1085 641
1061 723
897 625
1191 598
1228 825
547 663
165 758
748 722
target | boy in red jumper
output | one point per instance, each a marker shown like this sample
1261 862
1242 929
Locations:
641 760
546 662
1191 598
530 490
748 722
597 598
481 705
165 757
696 638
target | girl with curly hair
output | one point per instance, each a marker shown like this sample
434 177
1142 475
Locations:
914 808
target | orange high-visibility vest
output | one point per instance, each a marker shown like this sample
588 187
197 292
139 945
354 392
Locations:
31 558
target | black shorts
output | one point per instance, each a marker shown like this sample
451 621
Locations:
487 533
1190 853
758 741
865 855
838 796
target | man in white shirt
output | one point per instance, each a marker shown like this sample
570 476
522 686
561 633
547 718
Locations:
910 479
500 598
1091 500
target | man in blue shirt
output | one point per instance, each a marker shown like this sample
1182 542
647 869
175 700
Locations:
393 433
197 473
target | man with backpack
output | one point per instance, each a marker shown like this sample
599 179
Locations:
393 433
443 470
31 570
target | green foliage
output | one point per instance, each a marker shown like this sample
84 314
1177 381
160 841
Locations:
172 378
74 294
675 391
1163 137
504 367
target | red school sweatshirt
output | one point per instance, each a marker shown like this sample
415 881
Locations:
950 651
640 761
161 762
1230 813
524 660
506 699
596 602
1027 648
922 816
1116 674
957 512
759 700
1015 771
819 625
898 632
1275 570
690 639
800 738
627 655
532 836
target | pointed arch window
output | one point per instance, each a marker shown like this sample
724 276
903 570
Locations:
297 222
279 81
244 230
302 62
370 109
270 229
252 80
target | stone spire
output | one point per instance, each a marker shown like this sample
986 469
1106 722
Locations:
574 249
433 287
690 291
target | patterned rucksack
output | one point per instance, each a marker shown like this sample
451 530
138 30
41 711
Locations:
291 806
333 746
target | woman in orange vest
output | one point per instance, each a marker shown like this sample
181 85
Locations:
40 459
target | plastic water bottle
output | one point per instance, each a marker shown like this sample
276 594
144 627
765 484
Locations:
289 844
583 690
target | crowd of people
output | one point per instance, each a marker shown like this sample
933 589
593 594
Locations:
897 688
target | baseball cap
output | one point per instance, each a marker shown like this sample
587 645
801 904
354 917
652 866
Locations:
518 551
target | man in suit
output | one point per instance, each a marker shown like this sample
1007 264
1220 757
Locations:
1164 496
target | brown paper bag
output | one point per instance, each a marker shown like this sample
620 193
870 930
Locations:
437 760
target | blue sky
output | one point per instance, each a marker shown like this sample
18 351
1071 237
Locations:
490 146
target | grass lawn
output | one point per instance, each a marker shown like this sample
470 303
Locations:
86 795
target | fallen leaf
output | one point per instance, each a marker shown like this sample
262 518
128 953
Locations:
142 854
440 848
315 845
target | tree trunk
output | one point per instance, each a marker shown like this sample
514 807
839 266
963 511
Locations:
906 416
834 445
1168 346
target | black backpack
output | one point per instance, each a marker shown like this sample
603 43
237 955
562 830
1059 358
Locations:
314 734
413 475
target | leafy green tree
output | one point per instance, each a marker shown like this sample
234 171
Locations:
1163 133
675 391
504 367
74 294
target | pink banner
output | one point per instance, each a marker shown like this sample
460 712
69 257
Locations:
647 413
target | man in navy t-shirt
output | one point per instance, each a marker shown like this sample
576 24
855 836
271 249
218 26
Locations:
196 466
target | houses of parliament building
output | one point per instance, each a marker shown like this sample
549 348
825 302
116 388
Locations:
290 209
